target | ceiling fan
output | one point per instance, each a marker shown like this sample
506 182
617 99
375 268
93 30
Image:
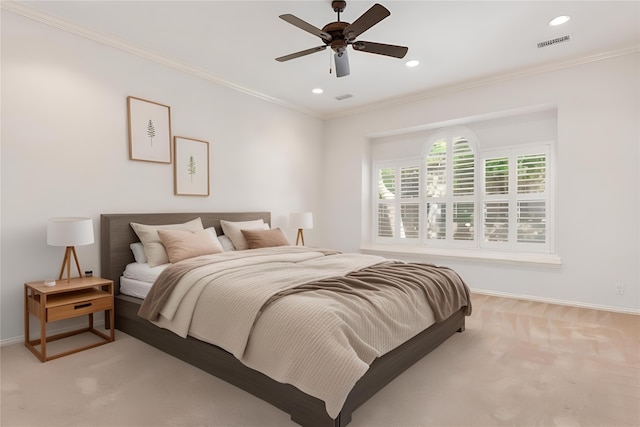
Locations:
338 35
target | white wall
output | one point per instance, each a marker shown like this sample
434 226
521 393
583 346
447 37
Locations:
597 178
65 151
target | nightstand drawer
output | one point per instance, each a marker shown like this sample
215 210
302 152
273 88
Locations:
79 308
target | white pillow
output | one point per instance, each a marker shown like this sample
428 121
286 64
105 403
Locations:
138 252
227 244
143 272
233 229
153 247
214 237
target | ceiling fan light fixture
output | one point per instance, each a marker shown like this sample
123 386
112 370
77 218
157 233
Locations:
559 20
412 63
317 91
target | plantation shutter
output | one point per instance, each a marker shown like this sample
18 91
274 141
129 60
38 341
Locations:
451 188
436 181
437 169
516 199
464 186
410 202
463 168
386 198
532 209
398 201
496 206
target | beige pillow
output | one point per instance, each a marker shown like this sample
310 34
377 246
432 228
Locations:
153 248
265 238
182 244
233 230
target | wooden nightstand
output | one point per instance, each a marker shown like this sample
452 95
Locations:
81 296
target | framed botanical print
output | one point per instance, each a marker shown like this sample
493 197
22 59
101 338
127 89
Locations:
191 167
149 130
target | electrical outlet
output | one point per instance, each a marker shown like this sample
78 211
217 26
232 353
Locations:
620 289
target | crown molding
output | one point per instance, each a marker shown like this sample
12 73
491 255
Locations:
489 80
124 45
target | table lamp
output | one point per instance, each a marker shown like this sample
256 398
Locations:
301 221
69 232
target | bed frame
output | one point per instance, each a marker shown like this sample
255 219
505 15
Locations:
116 236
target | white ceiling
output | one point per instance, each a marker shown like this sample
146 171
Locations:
457 42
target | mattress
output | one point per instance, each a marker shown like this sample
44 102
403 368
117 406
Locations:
143 272
134 288
137 279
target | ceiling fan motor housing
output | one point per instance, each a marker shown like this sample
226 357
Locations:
338 41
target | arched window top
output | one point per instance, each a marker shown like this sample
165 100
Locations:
450 162
460 136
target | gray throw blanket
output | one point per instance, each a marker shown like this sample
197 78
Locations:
444 289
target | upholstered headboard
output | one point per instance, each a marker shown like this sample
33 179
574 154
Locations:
116 234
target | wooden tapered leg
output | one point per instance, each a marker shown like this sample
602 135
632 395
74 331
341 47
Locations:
66 262
75 257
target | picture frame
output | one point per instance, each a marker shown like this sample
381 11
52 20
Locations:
191 167
149 130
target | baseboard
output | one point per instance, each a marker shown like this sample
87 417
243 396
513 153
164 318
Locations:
556 301
98 324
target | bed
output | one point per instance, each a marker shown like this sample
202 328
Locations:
116 237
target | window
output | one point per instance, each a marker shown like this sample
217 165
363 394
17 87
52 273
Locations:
458 196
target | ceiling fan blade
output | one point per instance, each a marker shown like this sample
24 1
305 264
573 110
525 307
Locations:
342 63
371 17
381 49
301 53
293 20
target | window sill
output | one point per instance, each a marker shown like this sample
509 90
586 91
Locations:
484 256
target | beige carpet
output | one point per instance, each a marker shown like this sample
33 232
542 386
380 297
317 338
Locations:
517 364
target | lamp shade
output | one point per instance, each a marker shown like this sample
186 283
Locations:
69 231
302 220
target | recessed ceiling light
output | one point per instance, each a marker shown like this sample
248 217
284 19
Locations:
317 90
559 20
412 63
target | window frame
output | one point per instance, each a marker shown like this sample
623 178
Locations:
539 254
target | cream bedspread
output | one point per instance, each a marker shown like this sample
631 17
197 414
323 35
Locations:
318 340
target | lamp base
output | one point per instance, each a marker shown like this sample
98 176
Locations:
66 262
300 237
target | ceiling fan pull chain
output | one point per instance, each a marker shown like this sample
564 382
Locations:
330 63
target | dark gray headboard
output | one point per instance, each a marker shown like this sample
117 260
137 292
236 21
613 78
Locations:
116 234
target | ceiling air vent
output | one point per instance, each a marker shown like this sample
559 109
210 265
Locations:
345 96
555 41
